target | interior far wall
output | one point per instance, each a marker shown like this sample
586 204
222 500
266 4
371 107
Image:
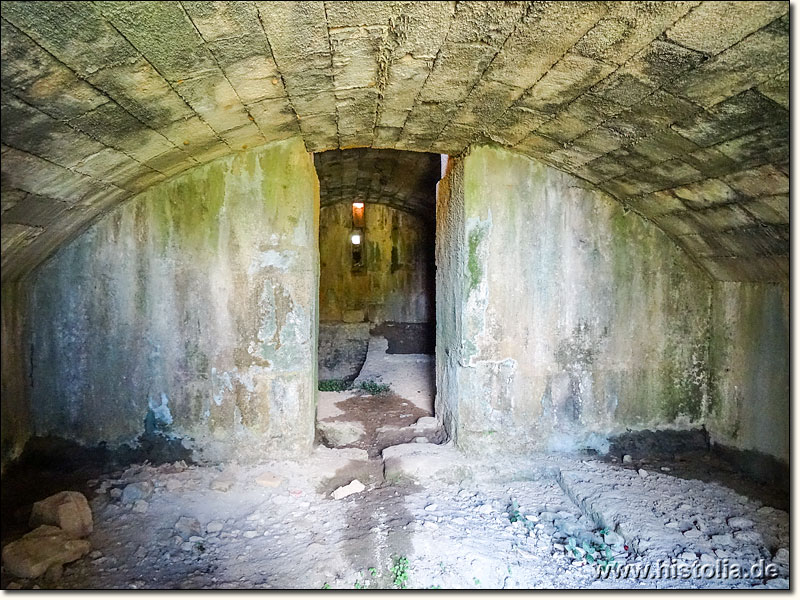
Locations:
189 310
394 286
396 281
560 319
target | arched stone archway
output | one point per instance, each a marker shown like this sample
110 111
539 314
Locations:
677 109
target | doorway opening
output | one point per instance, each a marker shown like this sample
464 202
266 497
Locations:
377 295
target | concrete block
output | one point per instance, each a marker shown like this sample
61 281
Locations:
673 171
710 161
757 58
538 144
766 180
700 244
566 80
215 100
244 137
486 103
43 548
723 217
751 269
767 145
515 124
115 127
275 117
224 20
28 172
37 211
404 79
733 118
16 236
777 89
660 62
354 59
251 71
424 462
456 70
568 124
624 88
75 33
68 510
40 80
600 140
192 134
712 27
31 130
541 38
627 28
164 34
678 223
708 192
138 88
172 162
658 203
769 209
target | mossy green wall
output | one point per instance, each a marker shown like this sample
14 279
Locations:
194 303
750 343
396 283
571 320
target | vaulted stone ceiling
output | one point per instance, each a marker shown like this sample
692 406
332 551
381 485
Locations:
404 180
678 109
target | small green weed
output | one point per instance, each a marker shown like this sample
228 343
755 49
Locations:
326 586
333 385
514 515
595 552
374 388
400 572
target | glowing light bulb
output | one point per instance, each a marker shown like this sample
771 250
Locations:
358 205
356 239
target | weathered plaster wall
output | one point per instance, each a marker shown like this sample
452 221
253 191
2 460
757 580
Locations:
396 283
750 357
16 424
560 317
192 307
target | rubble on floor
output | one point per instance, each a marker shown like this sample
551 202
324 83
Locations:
552 528
60 522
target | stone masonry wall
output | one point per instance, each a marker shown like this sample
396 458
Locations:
560 319
750 400
192 307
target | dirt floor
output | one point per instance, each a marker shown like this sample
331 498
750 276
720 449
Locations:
427 518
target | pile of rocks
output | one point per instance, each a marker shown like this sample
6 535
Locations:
61 522
580 541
